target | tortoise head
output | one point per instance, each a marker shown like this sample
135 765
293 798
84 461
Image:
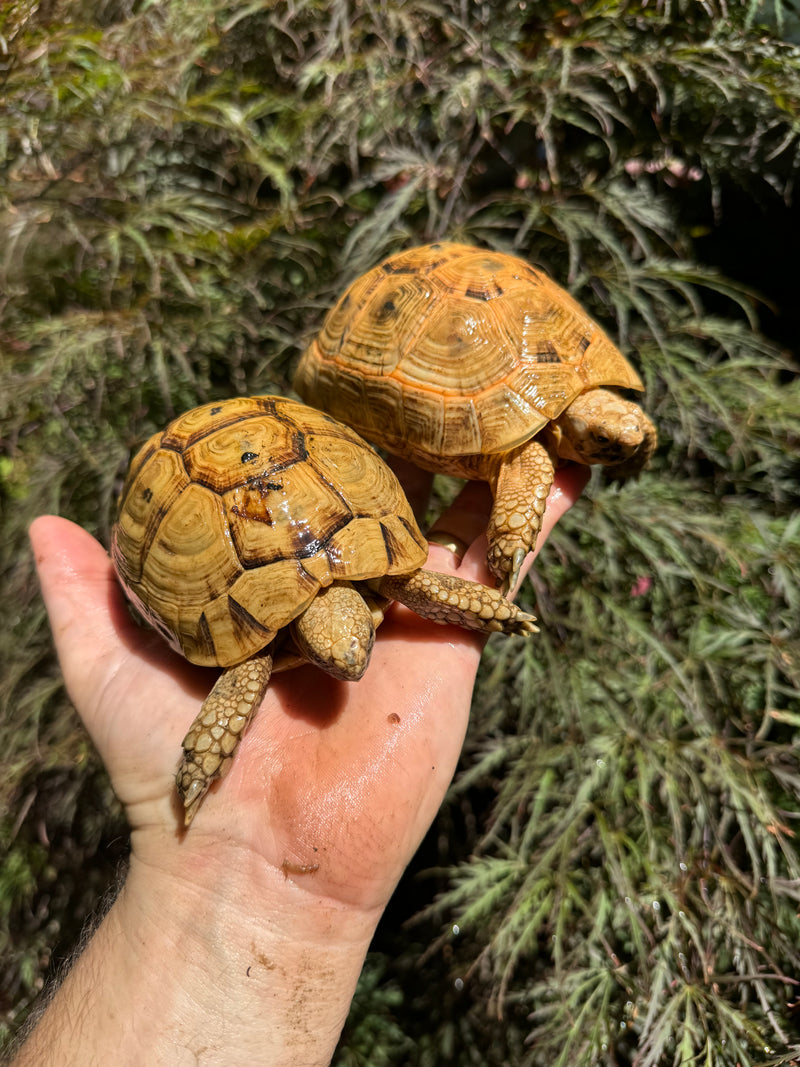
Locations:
600 427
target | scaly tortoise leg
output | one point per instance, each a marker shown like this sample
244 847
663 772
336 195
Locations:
445 598
520 484
212 739
336 632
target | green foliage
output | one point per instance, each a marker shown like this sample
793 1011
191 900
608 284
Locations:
642 837
184 187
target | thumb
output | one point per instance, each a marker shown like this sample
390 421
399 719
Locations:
83 603
115 672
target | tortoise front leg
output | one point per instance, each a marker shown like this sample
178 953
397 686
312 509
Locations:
212 739
520 482
446 598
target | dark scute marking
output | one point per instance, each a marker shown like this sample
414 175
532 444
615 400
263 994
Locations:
204 638
248 457
546 353
388 310
215 411
483 294
584 343
242 616
267 407
308 545
287 419
147 494
414 532
161 627
391 545
408 268
158 515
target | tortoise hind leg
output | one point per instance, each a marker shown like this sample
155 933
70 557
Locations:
520 484
212 739
446 598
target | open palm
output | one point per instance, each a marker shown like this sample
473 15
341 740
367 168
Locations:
335 783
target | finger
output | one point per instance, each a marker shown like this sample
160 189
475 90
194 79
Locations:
99 645
81 596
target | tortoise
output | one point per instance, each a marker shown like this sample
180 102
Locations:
473 363
257 533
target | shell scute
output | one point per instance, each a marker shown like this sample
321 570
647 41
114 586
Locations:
150 490
276 594
462 425
207 419
368 487
226 631
476 275
401 539
365 548
294 515
465 349
192 558
241 452
423 418
412 262
506 415
539 392
383 323
383 413
339 321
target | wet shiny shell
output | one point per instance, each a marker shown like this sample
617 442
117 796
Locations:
451 350
234 517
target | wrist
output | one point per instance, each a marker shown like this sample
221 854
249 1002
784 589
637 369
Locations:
217 958
248 957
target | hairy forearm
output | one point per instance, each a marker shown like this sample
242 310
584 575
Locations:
178 973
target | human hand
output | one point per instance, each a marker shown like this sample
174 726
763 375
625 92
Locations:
331 790
335 783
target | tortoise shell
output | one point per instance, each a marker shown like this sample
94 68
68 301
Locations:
234 516
452 350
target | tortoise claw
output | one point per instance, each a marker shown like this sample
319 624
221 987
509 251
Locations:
512 577
192 787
